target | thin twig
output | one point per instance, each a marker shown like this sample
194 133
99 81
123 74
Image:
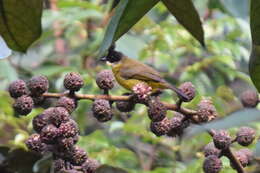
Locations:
174 107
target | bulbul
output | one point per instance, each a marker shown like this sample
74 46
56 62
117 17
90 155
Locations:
129 72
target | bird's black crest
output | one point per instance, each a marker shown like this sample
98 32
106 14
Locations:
113 55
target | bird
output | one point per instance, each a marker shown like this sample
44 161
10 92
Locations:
128 72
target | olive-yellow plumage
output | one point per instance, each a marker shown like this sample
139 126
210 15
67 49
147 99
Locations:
129 72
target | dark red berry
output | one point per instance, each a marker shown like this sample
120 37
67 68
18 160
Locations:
245 136
212 164
156 110
189 90
78 156
34 143
105 79
69 129
126 106
49 134
178 124
161 127
210 149
23 105
248 153
38 85
73 81
90 165
38 100
40 121
66 144
102 110
242 158
69 103
222 139
206 111
17 88
58 115
59 165
249 98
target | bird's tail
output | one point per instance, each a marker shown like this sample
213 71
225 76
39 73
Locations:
180 94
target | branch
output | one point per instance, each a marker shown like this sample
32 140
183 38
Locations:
174 107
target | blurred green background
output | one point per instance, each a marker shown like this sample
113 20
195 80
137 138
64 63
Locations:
72 34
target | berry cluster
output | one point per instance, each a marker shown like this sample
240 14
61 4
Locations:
55 129
28 94
58 133
221 147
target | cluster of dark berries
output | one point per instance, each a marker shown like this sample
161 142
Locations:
28 94
55 129
220 146
249 99
102 108
162 125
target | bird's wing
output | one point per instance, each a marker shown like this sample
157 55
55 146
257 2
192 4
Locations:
142 72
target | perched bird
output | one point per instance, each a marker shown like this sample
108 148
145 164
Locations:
129 72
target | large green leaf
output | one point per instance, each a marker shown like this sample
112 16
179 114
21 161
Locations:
254 64
238 118
20 22
127 14
187 15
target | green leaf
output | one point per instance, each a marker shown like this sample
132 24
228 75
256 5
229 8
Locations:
254 66
187 15
20 22
109 169
254 63
127 14
255 22
238 118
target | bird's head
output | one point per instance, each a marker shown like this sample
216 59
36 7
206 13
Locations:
113 56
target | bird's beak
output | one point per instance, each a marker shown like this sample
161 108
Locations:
103 58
